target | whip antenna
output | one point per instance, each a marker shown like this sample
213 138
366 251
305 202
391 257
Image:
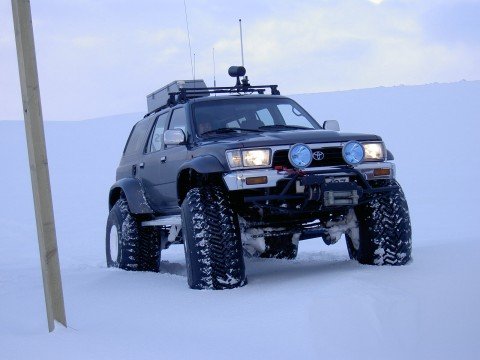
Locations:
188 33
214 77
241 39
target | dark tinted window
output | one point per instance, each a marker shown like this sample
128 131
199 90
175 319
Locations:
156 140
128 140
135 143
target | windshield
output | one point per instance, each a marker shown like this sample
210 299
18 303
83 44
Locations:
238 115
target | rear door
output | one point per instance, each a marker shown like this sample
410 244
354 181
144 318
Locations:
133 152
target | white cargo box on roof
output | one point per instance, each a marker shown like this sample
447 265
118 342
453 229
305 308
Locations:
160 97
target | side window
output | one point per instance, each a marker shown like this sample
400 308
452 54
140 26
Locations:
136 140
264 116
128 145
157 133
178 120
293 116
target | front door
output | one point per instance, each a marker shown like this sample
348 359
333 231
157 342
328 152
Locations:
159 169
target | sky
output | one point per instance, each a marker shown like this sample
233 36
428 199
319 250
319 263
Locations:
99 58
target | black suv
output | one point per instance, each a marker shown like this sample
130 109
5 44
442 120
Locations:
233 172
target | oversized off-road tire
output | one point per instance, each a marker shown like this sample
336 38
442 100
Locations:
385 233
213 249
280 246
130 246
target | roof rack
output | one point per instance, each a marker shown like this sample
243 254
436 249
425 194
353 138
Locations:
185 94
201 90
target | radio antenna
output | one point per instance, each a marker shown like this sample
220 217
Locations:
194 66
188 33
214 77
241 39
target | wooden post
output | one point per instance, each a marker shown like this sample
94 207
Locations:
37 154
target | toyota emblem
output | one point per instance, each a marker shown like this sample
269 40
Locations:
318 155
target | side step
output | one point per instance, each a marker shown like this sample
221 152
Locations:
169 220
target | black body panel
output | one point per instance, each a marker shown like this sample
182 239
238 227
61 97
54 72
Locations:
151 180
204 164
133 191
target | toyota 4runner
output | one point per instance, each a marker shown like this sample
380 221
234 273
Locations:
234 171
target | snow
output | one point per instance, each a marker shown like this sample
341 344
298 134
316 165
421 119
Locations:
319 305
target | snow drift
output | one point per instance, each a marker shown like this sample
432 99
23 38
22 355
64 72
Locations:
320 304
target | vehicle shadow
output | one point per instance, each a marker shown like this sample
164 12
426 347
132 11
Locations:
260 270
314 265
173 268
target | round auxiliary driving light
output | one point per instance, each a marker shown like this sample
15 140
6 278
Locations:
300 156
353 152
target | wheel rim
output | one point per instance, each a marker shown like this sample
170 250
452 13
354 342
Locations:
114 243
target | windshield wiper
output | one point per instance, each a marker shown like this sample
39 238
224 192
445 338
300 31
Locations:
283 127
226 130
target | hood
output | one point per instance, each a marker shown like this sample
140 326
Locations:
274 138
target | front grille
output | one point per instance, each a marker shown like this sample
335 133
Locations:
333 157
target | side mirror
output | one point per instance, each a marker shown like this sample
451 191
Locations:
331 125
174 137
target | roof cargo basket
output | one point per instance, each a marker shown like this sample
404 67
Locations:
160 98
181 91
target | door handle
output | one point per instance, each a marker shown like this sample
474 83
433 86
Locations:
141 165
163 159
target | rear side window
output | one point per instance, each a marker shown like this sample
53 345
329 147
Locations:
134 143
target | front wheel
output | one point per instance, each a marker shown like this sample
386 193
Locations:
385 233
213 248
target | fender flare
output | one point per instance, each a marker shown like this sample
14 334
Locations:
133 190
205 164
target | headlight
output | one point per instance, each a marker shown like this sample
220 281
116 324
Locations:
256 157
353 152
374 151
248 158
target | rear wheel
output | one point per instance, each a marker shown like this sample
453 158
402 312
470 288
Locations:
213 249
385 233
130 246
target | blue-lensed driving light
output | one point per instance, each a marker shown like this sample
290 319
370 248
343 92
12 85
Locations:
353 152
300 156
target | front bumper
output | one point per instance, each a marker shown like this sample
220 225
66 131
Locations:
237 180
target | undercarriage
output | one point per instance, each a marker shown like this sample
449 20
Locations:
303 205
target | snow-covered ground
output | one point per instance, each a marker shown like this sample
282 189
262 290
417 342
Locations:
320 305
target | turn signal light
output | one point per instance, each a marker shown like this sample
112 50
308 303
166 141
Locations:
381 172
256 180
